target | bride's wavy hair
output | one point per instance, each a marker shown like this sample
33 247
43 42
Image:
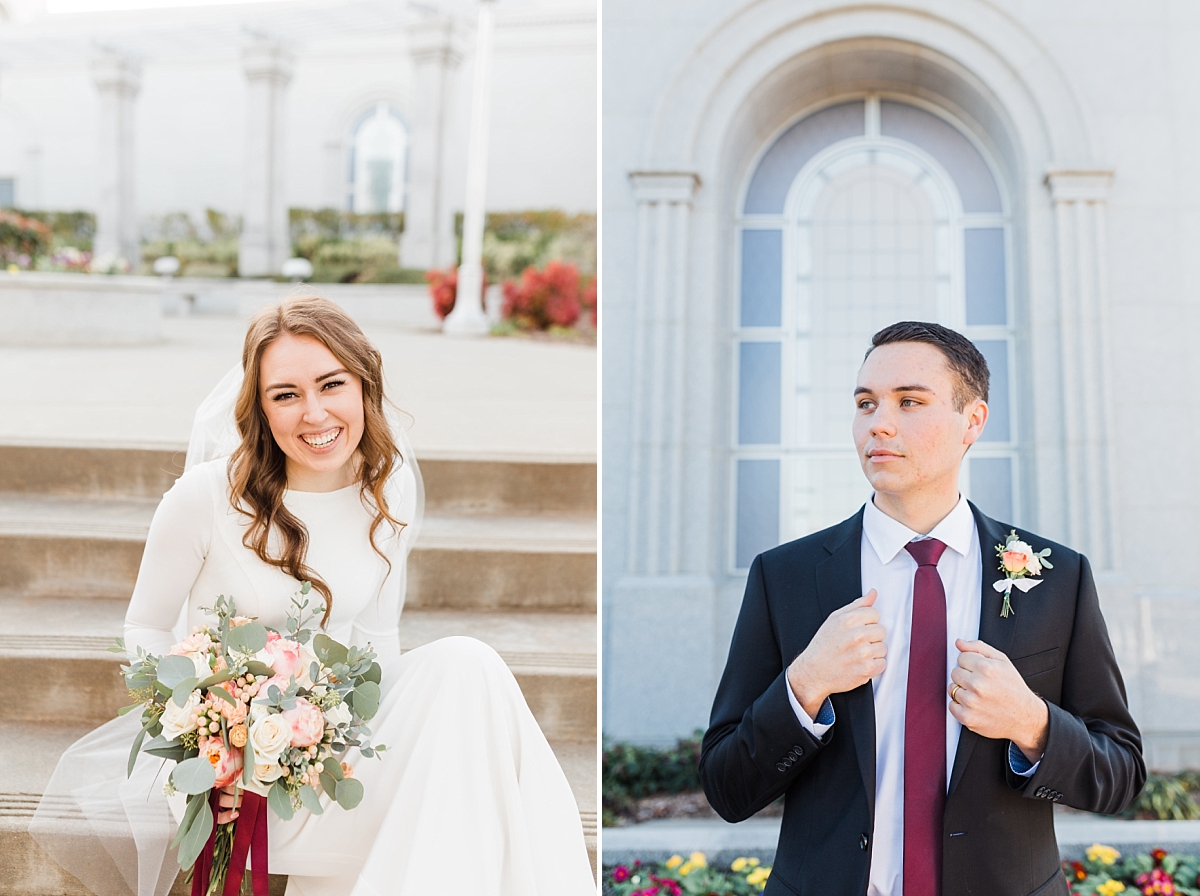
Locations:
257 467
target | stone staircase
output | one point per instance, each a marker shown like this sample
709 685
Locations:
507 555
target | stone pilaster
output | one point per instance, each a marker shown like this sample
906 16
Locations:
118 79
428 239
264 244
657 433
1080 202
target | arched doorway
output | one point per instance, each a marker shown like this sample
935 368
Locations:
865 211
378 162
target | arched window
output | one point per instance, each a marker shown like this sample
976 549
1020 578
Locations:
378 162
859 215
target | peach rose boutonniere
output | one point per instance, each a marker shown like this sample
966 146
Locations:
1018 561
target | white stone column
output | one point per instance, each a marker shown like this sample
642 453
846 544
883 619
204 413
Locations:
428 239
264 244
118 79
468 317
1080 201
657 427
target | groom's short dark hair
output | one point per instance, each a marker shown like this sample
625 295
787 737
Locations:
965 360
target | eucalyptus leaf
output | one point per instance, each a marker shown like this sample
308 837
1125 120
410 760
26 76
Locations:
215 679
189 816
329 650
328 782
224 695
366 700
349 793
194 775
314 670
334 768
248 760
133 754
311 801
367 751
183 690
174 669
374 673
250 637
305 587
257 667
280 801
197 836
130 708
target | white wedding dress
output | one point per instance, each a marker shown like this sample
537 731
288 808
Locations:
468 799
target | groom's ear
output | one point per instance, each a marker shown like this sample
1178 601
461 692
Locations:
976 413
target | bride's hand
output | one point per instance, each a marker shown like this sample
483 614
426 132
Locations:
230 800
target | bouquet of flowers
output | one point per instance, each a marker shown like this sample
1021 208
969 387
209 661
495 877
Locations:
237 704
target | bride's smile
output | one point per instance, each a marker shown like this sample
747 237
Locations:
314 408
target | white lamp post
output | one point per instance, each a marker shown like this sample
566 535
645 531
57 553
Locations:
468 318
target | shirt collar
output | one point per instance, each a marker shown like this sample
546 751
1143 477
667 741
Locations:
888 536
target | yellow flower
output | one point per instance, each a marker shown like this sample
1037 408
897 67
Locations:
758 876
698 859
686 868
674 861
754 863
1110 888
739 863
1105 855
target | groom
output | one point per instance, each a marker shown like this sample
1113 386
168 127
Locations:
919 736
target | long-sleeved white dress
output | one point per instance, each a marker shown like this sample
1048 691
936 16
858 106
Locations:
468 798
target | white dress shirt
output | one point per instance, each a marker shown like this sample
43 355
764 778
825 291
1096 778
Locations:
890 569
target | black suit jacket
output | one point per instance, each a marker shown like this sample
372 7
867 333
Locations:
998 836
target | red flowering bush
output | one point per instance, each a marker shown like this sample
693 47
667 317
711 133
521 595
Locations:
443 287
1103 872
22 239
545 298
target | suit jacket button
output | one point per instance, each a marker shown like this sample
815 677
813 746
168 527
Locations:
862 842
799 750
781 766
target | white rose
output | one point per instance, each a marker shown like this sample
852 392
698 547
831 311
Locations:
270 735
200 661
307 658
265 774
177 720
338 715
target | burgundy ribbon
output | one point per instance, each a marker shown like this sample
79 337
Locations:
249 836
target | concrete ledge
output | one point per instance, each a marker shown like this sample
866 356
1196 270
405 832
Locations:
722 842
79 309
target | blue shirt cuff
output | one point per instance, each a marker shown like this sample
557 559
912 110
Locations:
825 714
1019 763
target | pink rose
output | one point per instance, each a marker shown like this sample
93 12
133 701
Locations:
197 642
307 721
226 763
1019 556
288 658
235 712
280 681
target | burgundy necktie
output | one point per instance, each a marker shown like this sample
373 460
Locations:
925 726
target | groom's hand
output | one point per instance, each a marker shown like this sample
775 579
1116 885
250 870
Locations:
993 700
847 651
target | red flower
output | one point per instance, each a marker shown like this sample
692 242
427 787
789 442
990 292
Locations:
544 298
620 874
443 286
1158 855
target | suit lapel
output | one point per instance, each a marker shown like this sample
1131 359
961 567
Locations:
839 582
993 628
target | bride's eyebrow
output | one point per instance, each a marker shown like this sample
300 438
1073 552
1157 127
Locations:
325 376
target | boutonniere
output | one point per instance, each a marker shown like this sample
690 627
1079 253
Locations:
1017 561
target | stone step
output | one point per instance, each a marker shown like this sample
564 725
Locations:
27 871
453 485
552 656
92 547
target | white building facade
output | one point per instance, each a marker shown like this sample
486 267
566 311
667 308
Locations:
784 178
253 108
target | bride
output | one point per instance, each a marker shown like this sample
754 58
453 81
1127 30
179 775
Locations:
468 799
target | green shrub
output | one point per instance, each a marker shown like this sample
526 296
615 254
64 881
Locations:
631 772
74 229
514 241
1167 797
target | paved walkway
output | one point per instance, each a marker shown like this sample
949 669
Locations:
723 842
494 397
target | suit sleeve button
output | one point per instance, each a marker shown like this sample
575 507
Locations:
862 842
781 766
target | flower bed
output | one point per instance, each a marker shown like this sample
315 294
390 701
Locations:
1103 872
692 876
631 772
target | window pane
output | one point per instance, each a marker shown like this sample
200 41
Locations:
758 393
7 192
762 277
983 261
991 486
999 425
757 508
957 154
791 152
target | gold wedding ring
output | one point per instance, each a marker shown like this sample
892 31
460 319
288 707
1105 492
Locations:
954 690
